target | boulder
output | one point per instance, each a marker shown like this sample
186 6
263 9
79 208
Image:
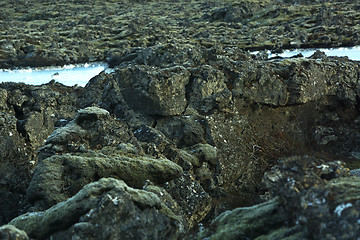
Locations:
169 55
207 90
298 81
194 201
135 214
9 232
92 128
28 115
186 130
318 195
61 176
154 91
105 91
16 162
313 199
260 221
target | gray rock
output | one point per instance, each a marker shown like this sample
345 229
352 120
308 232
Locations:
324 135
208 91
9 232
183 74
168 55
74 130
92 128
186 130
2 121
29 115
236 12
105 91
251 223
154 91
71 132
205 153
191 197
14 178
176 211
135 214
76 170
297 81
304 186
91 114
3 99
128 148
314 200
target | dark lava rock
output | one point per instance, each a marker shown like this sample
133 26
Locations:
191 197
77 32
135 214
28 116
314 200
208 90
9 232
315 195
186 130
59 177
187 111
168 55
298 81
257 222
92 128
252 111
155 92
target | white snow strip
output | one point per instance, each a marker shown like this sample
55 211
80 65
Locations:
339 209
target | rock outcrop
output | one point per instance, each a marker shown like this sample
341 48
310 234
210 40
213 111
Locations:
78 32
136 214
185 125
208 154
314 200
28 116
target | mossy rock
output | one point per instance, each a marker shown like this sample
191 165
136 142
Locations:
58 177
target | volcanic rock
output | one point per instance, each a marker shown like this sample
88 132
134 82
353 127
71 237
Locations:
29 114
314 200
136 214
9 232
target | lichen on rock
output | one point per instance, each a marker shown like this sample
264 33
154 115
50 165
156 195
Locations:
85 215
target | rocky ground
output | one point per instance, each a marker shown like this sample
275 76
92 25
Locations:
39 33
187 126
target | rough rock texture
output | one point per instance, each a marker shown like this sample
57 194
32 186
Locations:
92 128
193 200
28 116
260 221
315 200
154 92
59 177
298 81
209 154
43 33
186 113
86 215
9 232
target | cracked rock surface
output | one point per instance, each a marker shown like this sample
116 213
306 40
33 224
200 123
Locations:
188 128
